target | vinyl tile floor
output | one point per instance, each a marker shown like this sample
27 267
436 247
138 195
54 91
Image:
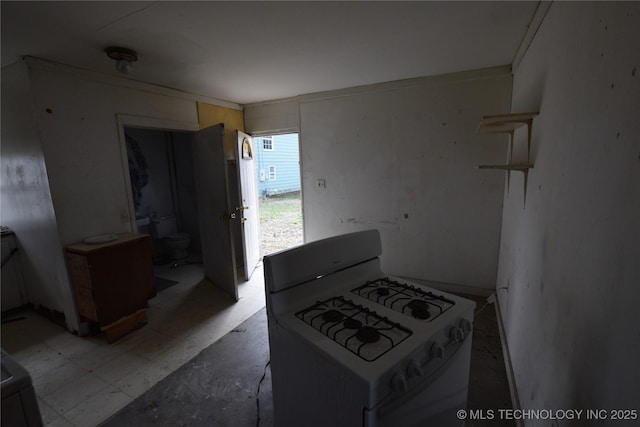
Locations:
229 383
81 381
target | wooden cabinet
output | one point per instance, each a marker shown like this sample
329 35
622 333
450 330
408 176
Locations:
113 282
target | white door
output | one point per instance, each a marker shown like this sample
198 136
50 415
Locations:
249 198
210 168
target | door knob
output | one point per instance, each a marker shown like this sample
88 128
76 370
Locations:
227 217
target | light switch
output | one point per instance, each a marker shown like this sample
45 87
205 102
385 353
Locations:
321 183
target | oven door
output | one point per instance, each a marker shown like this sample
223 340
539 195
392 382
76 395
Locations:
435 400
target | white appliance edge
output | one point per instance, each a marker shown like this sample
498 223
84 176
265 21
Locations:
318 382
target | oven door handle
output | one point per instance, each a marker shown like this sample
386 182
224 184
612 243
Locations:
393 402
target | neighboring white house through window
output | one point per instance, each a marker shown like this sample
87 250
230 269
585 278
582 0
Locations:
267 143
272 172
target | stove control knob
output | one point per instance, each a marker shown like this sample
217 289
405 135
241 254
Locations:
399 383
437 351
457 334
414 369
466 327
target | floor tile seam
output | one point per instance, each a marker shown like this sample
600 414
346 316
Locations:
115 348
155 354
177 330
214 308
131 395
83 371
32 349
91 395
58 415
162 331
197 349
255 298
143 350
46 397
68 421
252 312
74 357
63 359
157 374
165 355
104 417
112 380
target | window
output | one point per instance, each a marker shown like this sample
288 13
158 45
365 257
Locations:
272 172
267 143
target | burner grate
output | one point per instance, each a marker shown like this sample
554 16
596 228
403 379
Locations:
355 327
405 298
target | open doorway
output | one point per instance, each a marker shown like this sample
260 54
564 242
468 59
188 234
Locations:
279 189
163 191
178 193
162 184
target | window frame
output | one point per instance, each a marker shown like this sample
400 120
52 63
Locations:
270 140
271 173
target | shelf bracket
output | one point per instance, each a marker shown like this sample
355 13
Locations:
511 159
521 167
529 123
524 197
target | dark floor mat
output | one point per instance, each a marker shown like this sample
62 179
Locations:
218 387
162 284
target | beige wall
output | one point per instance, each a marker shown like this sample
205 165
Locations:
233 119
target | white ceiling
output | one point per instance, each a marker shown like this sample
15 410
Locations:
248 52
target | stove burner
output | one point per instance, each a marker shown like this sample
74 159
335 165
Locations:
352 323
355 327
367 334
418 302
332 316
382 292
419 309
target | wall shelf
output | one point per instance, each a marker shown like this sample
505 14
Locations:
508 123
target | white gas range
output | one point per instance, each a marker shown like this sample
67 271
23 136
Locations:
352 347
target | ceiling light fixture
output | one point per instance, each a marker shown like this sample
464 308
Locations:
123 56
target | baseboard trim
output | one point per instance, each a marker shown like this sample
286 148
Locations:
513 390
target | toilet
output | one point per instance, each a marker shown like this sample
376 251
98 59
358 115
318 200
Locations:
175 244
143 224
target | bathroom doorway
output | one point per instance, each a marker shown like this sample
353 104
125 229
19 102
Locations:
211 231
163 191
